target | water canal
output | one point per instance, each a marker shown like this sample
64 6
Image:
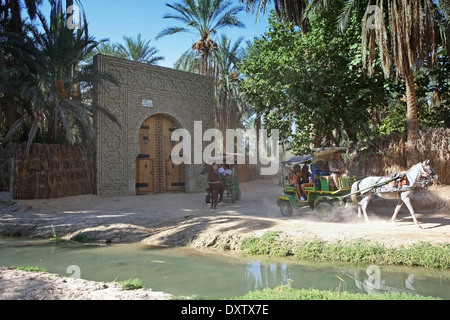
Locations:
187 272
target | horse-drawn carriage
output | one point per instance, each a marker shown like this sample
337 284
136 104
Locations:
325 200
320 195
227 185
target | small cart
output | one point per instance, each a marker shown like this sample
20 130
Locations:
232 184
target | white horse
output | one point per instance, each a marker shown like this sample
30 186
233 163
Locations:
396 186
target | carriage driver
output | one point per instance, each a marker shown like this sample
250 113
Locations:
337 168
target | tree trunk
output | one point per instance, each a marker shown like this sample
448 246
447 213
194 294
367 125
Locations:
9 108
411 119
10 115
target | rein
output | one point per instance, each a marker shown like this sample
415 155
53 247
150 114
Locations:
418 179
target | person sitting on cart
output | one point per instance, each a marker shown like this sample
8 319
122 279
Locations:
306 174
221 170
316 171
295 177
337 168
227 171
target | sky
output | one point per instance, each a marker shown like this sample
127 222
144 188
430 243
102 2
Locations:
113 19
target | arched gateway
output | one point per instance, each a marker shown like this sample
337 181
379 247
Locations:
150 102
155 170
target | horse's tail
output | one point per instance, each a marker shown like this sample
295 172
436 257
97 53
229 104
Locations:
354 191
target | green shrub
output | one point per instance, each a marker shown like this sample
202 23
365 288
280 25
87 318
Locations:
132 284
288 293
269 243
32 268
359 251
82 238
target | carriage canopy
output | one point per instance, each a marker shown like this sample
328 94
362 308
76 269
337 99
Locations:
317 154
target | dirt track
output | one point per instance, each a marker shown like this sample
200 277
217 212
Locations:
186 220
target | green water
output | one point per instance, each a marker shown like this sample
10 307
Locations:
186 272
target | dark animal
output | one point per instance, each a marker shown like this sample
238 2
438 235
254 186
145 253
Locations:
216 184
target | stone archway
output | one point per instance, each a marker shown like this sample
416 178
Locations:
155 170
167 99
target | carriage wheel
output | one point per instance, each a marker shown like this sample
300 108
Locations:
233 196
325 211
286 208
238 195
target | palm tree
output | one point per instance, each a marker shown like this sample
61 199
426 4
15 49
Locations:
189 61
286 10
226 58
108 49
406 36
11 21
203 18
139 50
11 11
54 83
229 110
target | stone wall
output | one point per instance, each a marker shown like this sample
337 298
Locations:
145 90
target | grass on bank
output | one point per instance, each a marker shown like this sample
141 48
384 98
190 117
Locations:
32 268
286 292
314 294
362 251
282 292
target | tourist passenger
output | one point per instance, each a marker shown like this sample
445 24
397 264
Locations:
316 171
227 171
337 168
306 174
295 177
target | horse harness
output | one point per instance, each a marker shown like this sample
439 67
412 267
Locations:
396 181
399 182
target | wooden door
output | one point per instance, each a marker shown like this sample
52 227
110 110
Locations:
174 176
155 171
174 173
145 183
145 162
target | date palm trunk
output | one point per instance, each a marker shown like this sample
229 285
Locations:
411 119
